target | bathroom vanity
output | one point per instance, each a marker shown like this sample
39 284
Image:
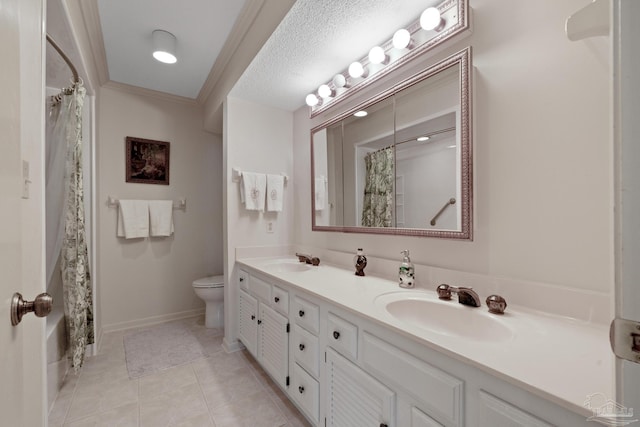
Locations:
360 351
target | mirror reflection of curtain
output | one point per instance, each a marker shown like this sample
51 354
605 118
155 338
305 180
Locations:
377 208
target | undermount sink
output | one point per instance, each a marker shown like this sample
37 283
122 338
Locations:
287 266
445 317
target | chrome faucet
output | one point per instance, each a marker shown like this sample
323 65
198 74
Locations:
308 259
466 296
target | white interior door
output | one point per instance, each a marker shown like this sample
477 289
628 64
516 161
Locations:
22 367
626 36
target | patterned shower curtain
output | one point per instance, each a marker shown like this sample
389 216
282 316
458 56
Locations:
76 280
377 209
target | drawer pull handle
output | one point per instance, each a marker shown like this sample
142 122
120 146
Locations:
336 335
276 299
301 313
301 346
253 317
259 322
301 389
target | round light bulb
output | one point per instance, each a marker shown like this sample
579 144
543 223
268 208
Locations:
377 55
360 113
312 100
356 70
401 39
325 91
430 19
339 80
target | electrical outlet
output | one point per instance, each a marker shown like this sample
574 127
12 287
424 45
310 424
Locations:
270 227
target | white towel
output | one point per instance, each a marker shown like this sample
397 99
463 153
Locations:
252 190
321 192
161 217
275 193
133 219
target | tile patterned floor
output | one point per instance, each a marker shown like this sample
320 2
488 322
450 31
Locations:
219 390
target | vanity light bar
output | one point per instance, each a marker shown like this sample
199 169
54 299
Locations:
434 25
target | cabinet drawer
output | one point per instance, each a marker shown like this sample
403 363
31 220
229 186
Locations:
440 393
306 391
342 335
305 350
420 419
496 412
259 288
243 280
306 314
280 300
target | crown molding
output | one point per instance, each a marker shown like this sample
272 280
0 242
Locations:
150 93
238 32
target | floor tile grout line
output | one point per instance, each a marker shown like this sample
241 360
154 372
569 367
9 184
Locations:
203 396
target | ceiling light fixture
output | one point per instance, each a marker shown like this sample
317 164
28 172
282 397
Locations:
432 20
360 113
423 138
164 46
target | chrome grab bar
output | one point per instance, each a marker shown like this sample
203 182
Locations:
451 201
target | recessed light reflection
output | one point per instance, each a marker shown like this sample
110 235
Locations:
422 138
360 113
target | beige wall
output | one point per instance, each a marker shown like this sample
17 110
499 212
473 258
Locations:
141 280
256 139
542 154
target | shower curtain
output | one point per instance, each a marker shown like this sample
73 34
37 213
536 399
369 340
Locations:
377 210
66 238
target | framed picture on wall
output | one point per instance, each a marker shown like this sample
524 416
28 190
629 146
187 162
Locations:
147 161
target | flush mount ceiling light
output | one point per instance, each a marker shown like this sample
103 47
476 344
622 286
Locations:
423 138
360 113
164 47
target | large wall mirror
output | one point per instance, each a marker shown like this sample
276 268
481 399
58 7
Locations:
400 163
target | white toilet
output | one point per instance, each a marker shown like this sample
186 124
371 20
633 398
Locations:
211 290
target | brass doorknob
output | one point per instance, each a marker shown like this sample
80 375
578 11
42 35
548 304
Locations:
41 306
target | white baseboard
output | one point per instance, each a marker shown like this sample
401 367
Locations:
232 346
147 321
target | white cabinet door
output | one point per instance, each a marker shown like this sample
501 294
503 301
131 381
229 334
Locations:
354 398
273 351
248 321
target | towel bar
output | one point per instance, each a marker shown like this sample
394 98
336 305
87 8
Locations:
180 204
236 174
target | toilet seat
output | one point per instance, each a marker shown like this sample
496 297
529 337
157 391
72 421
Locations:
209 282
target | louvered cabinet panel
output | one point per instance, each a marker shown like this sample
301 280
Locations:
274 344
248 321
354 398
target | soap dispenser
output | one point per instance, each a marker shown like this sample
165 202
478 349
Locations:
360 262
406 272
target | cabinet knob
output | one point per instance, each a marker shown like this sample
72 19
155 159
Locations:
336 335
301 389
253 317
301 347
242 279
276 299
301 313
383 425
259 322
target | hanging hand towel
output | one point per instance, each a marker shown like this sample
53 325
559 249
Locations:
275 193
254 185
321 192
133 219
161 217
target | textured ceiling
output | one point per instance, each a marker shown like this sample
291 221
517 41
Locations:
201 28
317 39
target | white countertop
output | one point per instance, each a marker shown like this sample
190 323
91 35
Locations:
560 359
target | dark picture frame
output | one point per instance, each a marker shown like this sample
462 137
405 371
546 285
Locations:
147 161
